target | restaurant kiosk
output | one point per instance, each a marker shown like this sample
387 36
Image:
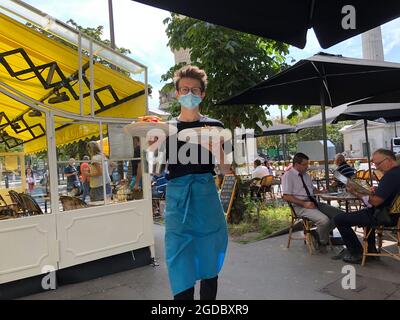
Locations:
60 89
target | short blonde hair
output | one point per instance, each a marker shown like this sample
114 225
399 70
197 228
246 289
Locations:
191 72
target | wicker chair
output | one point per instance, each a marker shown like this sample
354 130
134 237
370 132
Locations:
72 203
16 198
30 204
7 210
307 226
391 232
266 186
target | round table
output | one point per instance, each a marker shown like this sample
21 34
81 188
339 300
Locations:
336 196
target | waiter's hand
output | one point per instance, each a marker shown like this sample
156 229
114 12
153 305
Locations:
309 205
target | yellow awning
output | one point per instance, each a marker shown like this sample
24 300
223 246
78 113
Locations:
26 55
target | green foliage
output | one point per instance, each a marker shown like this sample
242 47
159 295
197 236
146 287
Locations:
271 219
308 134
74 150
173 109
233 62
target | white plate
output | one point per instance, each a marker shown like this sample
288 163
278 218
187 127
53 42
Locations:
144 129
196 134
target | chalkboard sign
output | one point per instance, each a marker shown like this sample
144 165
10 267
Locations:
227 194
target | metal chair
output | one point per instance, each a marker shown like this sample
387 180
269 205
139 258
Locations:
307 227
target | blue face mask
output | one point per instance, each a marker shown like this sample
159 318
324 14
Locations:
189 101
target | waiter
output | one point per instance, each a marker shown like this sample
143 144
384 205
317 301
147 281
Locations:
196 235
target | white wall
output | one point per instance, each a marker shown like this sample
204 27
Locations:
379 137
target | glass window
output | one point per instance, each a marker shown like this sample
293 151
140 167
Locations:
98 166
24 171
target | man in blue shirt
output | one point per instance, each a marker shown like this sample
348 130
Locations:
73 183
382 196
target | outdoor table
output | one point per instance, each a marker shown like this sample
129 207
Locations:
335 196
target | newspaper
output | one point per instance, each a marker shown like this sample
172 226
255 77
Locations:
349 182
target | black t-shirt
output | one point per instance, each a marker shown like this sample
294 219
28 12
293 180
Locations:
389 186
175 167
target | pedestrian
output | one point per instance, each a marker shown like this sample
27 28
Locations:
85 178
30 179
96 173
73 183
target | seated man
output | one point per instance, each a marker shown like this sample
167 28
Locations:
259 172
382 196
298 189
159 185
158 189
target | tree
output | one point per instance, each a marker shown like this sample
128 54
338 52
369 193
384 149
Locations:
233 62
314 133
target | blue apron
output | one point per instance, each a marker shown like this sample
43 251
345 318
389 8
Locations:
196 235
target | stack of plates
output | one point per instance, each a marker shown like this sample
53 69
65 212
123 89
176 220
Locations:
201 133
144 129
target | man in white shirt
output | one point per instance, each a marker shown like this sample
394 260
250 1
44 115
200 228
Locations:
298 189
259 171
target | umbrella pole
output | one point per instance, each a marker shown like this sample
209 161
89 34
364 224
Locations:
324 135
368 151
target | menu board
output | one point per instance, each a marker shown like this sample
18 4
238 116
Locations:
228 190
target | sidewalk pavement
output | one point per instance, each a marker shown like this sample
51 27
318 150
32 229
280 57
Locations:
261 270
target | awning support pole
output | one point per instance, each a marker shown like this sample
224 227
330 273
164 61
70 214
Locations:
80 73
368 150
91 70
324 134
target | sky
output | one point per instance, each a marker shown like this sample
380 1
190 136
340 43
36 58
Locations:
140 28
